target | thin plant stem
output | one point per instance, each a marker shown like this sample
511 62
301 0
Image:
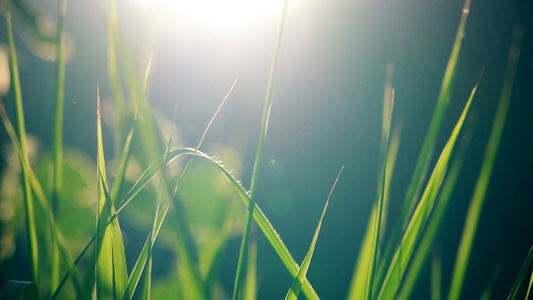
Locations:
243 252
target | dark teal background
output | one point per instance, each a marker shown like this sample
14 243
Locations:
326 113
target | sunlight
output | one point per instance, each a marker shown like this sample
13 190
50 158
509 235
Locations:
227 13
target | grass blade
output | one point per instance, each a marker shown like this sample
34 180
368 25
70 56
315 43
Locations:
428 237
476 204
294 291
422 165
420 216
243 252
111 273
522 275
28 199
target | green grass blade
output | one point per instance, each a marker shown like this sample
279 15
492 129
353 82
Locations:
243 252
58 134
404 252
436 277
111 273
428 237
19 290
295 288
260 218
522 275
43 205
530 284
28 199
487 292
480 190
422 165
389 150
379 216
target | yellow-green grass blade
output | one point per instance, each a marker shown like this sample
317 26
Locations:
33 248
530 284
522 276
373 257
19 290
404 252
42 203
360 277
426 153
243 252
295 288
480 190
111 273
427 240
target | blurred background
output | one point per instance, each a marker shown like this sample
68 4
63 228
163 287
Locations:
326 113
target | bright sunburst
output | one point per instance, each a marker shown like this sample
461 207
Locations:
216 12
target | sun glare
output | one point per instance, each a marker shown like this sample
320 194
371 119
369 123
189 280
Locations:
215 12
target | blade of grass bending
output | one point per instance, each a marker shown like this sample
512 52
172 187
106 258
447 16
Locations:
379 216
480 190
243 252
111 273
296 285
260 218
404 252
42 203
428 237
28 199
161 214
58 134
422 165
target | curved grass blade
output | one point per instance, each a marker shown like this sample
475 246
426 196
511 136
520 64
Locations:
478 197
294 291
31 230
19 290
161 213
111 273
404 252
243 252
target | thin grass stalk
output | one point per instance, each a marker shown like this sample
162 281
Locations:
480 190
57 177
379 217
243 252
436 277
31 231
